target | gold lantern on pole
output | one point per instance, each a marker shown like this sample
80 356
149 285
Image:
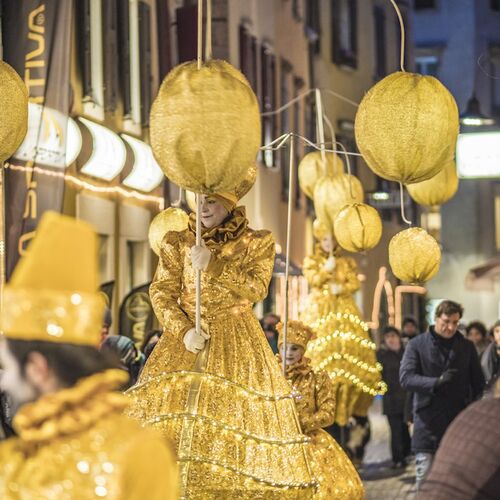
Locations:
357 227
407 127
171 219
414 255
312 168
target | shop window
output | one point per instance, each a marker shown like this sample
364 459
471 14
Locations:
424 4
145 70
380 43
313 26
248 56
344 33
427 64
268 102
110 51
124 57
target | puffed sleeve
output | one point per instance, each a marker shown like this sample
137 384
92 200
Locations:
248 271
166 286
325 404
313 271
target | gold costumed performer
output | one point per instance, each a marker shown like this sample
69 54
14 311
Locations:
220 395
315 401
73 441
342 347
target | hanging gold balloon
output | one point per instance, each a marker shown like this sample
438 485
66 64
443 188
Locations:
14 109
414 255
171 219
332 193
241 190
438 190
205 127
357 227
312 167
406 127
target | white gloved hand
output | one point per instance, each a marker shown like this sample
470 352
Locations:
200 257
329 265
195 342
335 289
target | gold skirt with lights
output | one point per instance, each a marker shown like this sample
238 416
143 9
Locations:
229 413
344 350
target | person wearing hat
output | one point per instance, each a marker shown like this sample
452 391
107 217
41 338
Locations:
315 401
330 307
218 394
73 441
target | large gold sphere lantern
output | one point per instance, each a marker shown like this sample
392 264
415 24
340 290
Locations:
205 127
357 227
312 167
437 190
171 219
414 255
332 193
407 127
14 111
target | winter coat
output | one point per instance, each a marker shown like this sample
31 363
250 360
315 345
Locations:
394 399
424 360
490 363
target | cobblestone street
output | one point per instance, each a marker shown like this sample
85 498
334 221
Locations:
381 482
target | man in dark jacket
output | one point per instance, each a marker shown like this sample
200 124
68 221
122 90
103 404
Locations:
394 400
442 368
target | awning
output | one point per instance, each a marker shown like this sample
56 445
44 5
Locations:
484 276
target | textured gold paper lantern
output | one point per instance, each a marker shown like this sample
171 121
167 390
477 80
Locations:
312 167
438 190
332 193
406 127
357 227
171 219
414 255
13 109
205 127
241 190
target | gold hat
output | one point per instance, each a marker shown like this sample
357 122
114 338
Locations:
320 229
53 294
297 333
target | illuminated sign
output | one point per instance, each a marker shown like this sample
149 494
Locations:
108 152
53 139
146 174
478 154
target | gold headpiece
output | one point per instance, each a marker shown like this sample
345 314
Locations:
320 229
53 294
297 333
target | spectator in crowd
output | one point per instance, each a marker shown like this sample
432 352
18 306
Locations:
123 349
409 330
6 430
490 362
268 323
442 368
150 340
107 321
467 463
476 332
394 400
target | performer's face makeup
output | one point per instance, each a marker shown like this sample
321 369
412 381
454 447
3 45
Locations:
327 243
293 353
213 212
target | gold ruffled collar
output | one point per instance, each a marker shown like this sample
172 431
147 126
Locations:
72 410
231 229
303 367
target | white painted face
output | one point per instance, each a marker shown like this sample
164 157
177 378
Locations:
12 381
327 243
293 353
213 211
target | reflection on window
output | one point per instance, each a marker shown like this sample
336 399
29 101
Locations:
427 65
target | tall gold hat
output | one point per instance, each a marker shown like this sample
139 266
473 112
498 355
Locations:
297 333
53 294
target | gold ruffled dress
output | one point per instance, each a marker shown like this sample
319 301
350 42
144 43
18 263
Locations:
76 444
228 409
342 346
315 400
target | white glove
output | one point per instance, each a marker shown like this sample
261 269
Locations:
329 265
335 289
200 257
195 342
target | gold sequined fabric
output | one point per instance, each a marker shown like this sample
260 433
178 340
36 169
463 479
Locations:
342 347
228 409
76 444
315 400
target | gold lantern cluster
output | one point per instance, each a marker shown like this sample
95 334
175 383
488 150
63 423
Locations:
14 108
171 219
